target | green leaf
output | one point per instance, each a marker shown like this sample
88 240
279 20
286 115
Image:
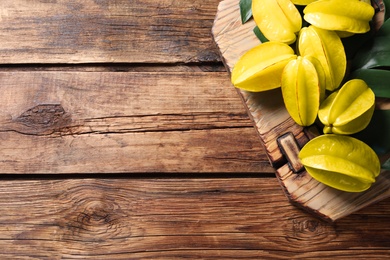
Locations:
378 80
387 8
384 29
376 134
260 35
245 10
386 165
376 51
354 43
374 55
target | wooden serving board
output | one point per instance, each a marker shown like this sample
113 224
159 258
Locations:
281 136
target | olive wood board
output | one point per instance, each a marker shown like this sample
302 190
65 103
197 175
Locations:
281 137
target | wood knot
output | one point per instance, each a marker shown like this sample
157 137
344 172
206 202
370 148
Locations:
96 220
43 119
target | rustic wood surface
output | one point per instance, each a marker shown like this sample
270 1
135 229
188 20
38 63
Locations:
84 122
226 218
121 138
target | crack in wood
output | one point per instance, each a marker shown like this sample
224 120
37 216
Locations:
52 120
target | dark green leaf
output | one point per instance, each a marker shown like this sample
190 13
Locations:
260 35
384 30
353 43
378 80
386 165
376 134
245 10
387 8
373 55
376 50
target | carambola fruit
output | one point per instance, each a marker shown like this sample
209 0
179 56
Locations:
348 110
341 162
260 68
340 15
278 20
326 46
301 91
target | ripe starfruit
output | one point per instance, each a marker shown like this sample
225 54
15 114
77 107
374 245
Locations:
341 162
278 20
348 110
260 68
301 91
327 47
347 15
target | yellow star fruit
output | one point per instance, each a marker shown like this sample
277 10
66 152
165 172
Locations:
348 110
261 67
301 91
278 20
327 47
340 15
341 162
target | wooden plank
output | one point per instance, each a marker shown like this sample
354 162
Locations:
202 151
272 122
234 218
91 31
85 122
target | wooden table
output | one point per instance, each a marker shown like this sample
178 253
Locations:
121 137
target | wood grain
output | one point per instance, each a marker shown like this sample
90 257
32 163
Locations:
272 121
234 218
94 31
69 122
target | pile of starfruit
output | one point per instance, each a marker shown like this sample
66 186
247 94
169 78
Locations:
332 65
